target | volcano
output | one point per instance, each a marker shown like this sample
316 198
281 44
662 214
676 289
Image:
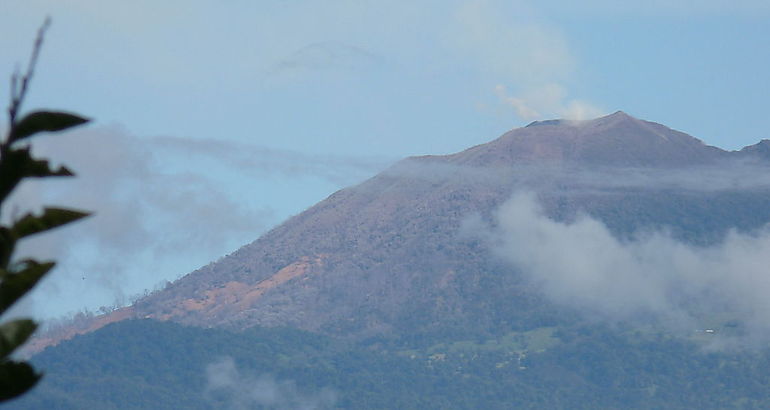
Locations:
394 257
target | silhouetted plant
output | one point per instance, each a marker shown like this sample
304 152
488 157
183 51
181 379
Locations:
17 277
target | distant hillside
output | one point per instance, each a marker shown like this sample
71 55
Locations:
401 292
152 365
390 257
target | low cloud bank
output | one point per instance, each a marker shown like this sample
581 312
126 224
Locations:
582 265
734 175
150 222
162 207
229 387
262 162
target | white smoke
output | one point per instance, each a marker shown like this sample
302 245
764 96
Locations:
547 100
529 58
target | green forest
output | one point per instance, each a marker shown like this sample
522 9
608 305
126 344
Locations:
149 365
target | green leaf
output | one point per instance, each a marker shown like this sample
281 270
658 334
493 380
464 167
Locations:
42 121
51 218
15 285
16 378
14 333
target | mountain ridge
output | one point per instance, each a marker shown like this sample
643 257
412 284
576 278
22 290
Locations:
614 140
387 257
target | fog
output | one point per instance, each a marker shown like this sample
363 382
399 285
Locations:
162 207
227 385
683 287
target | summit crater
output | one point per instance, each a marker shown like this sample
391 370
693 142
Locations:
614 140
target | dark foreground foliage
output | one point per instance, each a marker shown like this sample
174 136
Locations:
18 277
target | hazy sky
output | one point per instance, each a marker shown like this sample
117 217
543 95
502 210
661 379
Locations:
215 120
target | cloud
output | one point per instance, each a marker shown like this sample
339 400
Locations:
729 175
263 161
520 105
149 223
580 110
581 265
735 175
229 387
162 207
512 43
548 100
234 51
326 55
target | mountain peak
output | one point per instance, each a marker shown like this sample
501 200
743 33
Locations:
544 122
759 151
617 139
617 116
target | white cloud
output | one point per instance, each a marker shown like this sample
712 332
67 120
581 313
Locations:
227 385
581 110
583 266
263 161
547 101
520 105
509 40
219 51
162 206
150 223
522 51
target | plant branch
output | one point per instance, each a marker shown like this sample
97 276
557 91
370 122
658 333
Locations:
19 85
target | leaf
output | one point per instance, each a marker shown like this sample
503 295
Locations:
14 333
7 245
17 164
15 285
51 218
39 168
41 121
16 378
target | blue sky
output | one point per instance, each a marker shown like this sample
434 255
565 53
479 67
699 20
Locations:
215 120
